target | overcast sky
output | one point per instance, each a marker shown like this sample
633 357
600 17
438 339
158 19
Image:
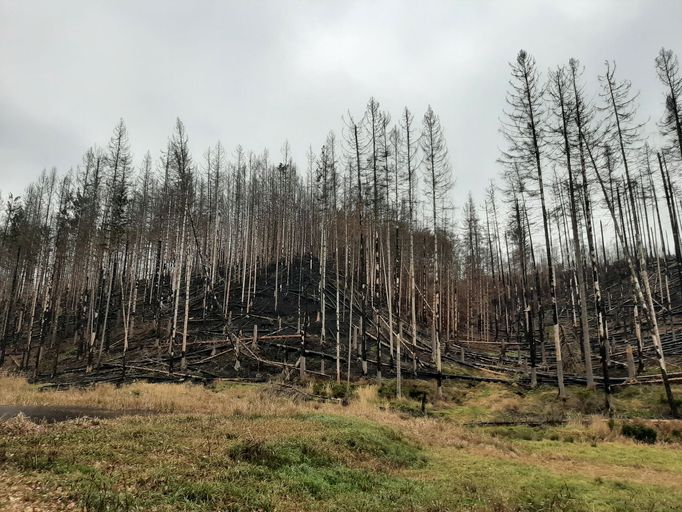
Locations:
259 72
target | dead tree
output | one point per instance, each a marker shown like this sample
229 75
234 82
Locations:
438 182
564 109
525 130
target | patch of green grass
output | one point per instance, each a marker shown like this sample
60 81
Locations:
411 389
344 463
275 455
520 432
608 453
468 413
369 440
490 484
96 495
197 463
410 407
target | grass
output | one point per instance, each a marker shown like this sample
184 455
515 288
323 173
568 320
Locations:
249 447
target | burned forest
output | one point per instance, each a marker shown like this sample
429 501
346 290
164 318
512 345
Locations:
356 264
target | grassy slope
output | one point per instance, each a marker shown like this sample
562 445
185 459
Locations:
251 448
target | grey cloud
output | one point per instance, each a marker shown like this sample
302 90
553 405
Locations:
256 73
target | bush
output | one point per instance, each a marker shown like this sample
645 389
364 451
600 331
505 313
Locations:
588 401
413 389
640 433
333 389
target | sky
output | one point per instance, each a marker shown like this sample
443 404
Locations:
257 73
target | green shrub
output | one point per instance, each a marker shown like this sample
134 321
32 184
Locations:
413 389
640 433
333 389
340 390
588 401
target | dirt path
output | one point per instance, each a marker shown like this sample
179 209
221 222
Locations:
58 413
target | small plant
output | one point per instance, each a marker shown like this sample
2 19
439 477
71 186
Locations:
340 390
97 496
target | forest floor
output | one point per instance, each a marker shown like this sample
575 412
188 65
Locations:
228 446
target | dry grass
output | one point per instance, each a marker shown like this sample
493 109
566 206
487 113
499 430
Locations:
154 398
247 400
243 400
251 401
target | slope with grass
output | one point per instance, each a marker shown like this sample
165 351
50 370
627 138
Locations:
248 447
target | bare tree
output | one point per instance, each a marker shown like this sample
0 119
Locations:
438 181
564 110
525 132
